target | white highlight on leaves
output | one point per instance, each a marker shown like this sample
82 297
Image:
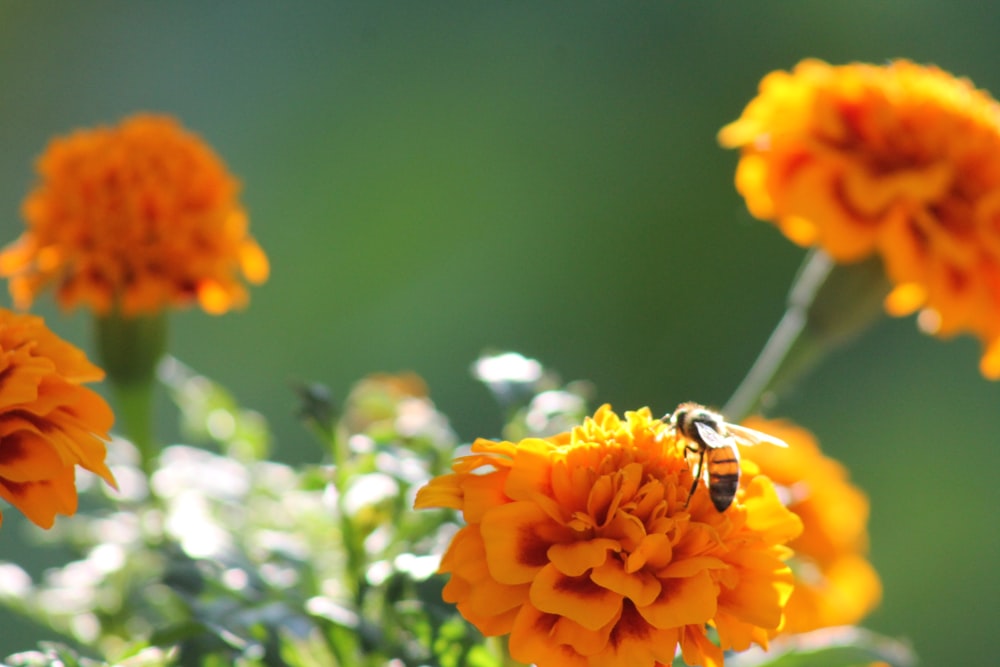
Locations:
507 367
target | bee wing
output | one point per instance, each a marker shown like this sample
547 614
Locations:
710 436
749 436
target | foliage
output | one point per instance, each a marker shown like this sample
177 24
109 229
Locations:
228 558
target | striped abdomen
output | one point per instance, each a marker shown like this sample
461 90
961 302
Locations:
723 475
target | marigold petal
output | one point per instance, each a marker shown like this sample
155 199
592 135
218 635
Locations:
641 587
653 550
816 194
469 489
254 264
874 194
213 297
841 593
829 563
41 500
682 601
493 605
696 649
633 642
571 483
142 216
685 567
591 554
488 604
518 536
766 515
465 551
576 598
488 622
531 642
27 457
608 492
583 640
15 257
751 179
21 379
989 365
899 160
49 423
905 299
576 558
627 528
764 586
799 230
530 474
735 634
442 491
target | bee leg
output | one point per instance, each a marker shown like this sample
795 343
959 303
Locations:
694 484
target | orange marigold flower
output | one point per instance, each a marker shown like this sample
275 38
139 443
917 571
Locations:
142 216
900 160
49 422
834 582
581 548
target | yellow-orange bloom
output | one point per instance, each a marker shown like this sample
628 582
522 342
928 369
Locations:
834 582
142 216
901 160
581 548
49 422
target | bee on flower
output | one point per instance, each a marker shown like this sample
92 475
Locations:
583 547
716 443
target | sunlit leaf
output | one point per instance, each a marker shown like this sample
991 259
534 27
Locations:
309 651
830 647
50 654
210 412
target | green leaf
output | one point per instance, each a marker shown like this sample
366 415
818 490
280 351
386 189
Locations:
316 408
178 632
830 647
210 412
51 654
309 651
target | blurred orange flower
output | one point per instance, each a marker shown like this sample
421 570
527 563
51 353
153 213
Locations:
580 547
49 422
142 217
834 582
901 160
377 399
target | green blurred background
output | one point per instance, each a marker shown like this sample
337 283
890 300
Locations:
431 179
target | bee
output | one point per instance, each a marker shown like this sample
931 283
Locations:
713 439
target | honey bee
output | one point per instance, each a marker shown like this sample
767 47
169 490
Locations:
713 439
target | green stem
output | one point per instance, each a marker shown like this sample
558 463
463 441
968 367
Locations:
135 405
828 305
353 542
130 347
786 342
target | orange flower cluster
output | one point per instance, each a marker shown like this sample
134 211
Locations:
49 422
834 582
581 548
139 217
900 160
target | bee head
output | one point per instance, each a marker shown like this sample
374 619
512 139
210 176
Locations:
683 419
